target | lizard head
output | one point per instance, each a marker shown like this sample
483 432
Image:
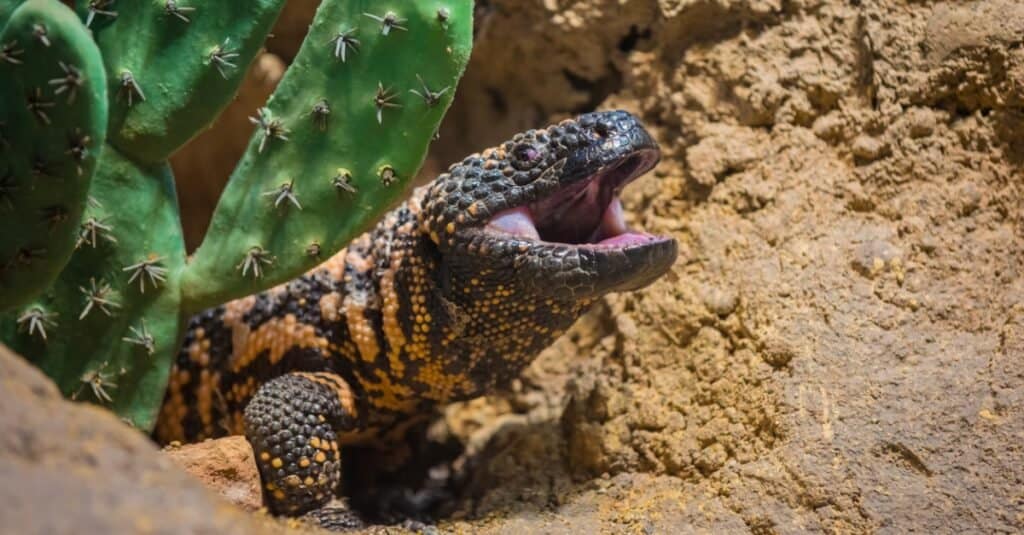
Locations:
540 214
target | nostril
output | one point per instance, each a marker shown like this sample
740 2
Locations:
526 153
602 129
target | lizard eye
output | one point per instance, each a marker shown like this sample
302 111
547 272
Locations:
525 155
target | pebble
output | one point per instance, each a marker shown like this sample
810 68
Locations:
869 148
721 301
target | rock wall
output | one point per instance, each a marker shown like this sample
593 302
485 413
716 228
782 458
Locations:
839 347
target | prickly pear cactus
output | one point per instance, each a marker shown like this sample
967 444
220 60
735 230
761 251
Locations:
52 128
334 147
346 129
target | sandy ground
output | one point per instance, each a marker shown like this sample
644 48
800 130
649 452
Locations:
839 347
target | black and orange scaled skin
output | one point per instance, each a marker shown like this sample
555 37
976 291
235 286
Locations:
430 307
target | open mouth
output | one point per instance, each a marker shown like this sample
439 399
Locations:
587 212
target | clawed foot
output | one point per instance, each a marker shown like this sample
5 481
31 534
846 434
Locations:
335 516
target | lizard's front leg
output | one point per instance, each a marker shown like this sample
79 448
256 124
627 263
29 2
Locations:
293 423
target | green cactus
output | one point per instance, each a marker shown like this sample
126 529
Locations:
337 143
346 128
52 128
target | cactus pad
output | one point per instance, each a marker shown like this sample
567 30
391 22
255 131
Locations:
52 126
172 65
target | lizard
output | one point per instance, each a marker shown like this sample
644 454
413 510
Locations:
448 298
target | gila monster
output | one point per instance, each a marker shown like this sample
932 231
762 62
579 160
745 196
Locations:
450 297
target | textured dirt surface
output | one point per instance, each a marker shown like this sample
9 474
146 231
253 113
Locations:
839 347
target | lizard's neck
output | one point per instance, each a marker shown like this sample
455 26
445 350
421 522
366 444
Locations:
449 329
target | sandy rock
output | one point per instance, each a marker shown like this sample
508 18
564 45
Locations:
75 468
959 26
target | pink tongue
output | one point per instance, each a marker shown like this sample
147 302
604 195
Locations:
515 221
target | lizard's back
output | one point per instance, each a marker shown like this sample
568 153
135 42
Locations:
330 319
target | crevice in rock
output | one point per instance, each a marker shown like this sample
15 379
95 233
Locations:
597 91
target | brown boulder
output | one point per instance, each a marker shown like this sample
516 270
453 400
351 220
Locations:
74 468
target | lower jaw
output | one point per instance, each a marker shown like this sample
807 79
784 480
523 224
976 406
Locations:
626 239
